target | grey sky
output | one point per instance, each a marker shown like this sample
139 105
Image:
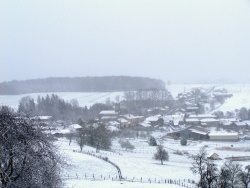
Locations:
177 40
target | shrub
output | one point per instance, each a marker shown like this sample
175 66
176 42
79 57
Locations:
183 141
152 141
126 144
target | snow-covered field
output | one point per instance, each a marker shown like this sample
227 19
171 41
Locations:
139 164
135 166
84 98
241 95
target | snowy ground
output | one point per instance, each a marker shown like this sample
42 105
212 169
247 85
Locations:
135 166
139 164
84 98
241 93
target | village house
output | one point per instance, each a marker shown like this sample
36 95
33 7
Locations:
239 125
176 119
133 120
192 132
156 110
192 110
155 120
106 115
192 121
42 120
213 156
123 122
209 122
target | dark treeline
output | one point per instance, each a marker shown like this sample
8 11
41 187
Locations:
50 106
59 109
137 102
80 84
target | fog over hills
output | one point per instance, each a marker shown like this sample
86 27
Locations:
80 84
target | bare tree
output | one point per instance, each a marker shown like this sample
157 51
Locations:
234 171
199 166
81 140
161 154
244 177
224 177
27 106
27 158
70 136
211 174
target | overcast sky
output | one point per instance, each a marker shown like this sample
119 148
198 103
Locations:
178 40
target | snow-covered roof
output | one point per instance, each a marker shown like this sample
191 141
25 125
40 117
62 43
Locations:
212 154
222 134
122 120
192 120
152 118
63 131
232 119
114 123
207 120
75 126
240 123
108 117
145 124
108 112
130 116
42 117
199 130
226 123
203 116
192 108
112 128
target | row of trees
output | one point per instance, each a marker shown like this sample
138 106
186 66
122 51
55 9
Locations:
242 113
50 105
98 137
230 175
137 102
59 109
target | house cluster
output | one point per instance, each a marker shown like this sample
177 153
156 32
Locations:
200 133
209 127
114 119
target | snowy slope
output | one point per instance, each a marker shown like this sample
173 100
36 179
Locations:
84 98
241 98
241 95
134 166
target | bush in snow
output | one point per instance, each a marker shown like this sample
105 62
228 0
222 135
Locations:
183 141
126 144
152 141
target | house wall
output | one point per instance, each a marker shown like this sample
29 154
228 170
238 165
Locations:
223 138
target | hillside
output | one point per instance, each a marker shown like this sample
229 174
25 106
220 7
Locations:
80 84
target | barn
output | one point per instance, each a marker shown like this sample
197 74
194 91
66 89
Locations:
221 136
192 132
213 156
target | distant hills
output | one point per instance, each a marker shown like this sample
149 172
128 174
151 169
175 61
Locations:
80 84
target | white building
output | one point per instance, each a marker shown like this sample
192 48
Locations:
221 136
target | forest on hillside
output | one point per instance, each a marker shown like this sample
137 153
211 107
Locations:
80 84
